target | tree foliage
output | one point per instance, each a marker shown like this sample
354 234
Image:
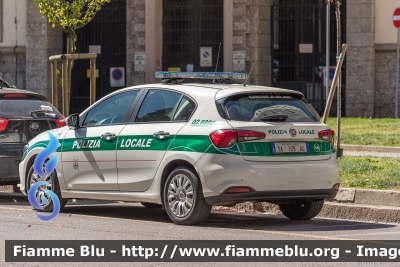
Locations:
70 15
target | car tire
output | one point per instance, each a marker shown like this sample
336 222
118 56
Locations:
302 211
55 188
183 197
151 205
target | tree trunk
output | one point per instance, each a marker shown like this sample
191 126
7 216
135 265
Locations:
70 50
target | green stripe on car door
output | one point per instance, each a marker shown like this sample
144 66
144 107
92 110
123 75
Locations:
183 143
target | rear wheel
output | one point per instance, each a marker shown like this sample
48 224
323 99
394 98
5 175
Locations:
183 197
44 199
302 210
151 205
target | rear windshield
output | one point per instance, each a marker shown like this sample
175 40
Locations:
33 108
258 106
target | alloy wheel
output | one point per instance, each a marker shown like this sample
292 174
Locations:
42 198
180 195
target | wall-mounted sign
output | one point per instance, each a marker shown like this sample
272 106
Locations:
330 73
189 67
306 48
95 49
117 77
88 73
239 60
140 61
205 56
396 18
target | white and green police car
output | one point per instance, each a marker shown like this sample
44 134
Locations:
186 147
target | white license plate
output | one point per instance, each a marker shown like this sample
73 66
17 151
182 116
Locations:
290 148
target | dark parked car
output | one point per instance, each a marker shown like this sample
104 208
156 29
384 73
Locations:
23 115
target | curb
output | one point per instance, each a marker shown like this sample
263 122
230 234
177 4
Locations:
368 197
388 149
332 210
357 212
349 204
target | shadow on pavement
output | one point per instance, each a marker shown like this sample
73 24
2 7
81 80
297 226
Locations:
217 219
223 220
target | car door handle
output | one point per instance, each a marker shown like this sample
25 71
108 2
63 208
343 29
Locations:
108 136
161 135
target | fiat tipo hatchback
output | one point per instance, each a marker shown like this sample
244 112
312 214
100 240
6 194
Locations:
185 147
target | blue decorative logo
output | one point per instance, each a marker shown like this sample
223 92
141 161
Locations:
206 54
43 174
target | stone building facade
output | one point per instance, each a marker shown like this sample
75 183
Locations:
251 33
1 21
370 62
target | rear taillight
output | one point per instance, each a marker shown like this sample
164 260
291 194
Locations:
327 135
14 96
3 124
227 138
224 138
244 135
61 122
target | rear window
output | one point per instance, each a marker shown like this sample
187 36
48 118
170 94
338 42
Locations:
258 106
33 108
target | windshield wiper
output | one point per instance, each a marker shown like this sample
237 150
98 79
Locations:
274 118
39 112
36 112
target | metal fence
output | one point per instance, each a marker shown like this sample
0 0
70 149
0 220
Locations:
187 26
299 48
107 29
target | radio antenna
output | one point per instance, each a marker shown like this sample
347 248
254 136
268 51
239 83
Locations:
248 77
216 67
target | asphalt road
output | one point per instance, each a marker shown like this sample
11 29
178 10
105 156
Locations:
91 220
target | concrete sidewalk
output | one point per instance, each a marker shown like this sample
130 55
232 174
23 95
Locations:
372 154
374 151
386 149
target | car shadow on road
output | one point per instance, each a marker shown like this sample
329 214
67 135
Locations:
217 219
226 220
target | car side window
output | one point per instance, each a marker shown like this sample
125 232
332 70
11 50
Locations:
159 105
185 109
112 110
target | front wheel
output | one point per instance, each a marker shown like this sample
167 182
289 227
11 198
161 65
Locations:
44 199
303 210
183 198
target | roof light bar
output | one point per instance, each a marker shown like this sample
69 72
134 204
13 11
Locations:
201 75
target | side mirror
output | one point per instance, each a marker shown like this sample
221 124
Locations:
73 121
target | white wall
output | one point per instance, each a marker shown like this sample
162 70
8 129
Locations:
11 36
385 32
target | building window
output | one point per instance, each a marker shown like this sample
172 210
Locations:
188 27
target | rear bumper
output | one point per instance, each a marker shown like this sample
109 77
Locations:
270 196
9 170
267 180
10 157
